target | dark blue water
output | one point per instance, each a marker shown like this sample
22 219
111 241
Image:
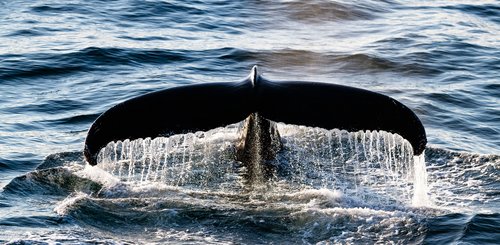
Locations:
64 63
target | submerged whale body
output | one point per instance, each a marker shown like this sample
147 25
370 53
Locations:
260 103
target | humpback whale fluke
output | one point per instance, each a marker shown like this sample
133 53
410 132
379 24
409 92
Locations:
261 102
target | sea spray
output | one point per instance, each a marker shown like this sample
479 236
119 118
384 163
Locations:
375 166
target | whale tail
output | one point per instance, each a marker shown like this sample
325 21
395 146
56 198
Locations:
206 106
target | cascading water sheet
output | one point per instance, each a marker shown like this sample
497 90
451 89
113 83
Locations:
199 160
374 166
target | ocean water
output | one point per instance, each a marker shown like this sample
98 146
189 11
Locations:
63 63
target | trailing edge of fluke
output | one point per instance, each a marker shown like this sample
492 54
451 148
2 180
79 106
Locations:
206 106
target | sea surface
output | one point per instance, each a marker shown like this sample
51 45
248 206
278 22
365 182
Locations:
63 63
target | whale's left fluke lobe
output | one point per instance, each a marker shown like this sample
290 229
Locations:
333 106
171 111
211 105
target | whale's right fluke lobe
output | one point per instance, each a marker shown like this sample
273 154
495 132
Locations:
333 106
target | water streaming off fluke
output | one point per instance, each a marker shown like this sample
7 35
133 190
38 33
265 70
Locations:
200 160
374 166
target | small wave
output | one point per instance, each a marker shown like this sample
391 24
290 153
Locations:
117 56
451 55
228 17
457 98
479 226
49 107
328 62
23 162
455 56
56 175
33 221
88 59
321 10
5 205
36 31
54 9
36 71
492 89
488 12
71 120
26 33
146 38
365 62
461 228
139 9
58 181
60 160
4 166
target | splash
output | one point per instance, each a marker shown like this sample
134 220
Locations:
374 166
